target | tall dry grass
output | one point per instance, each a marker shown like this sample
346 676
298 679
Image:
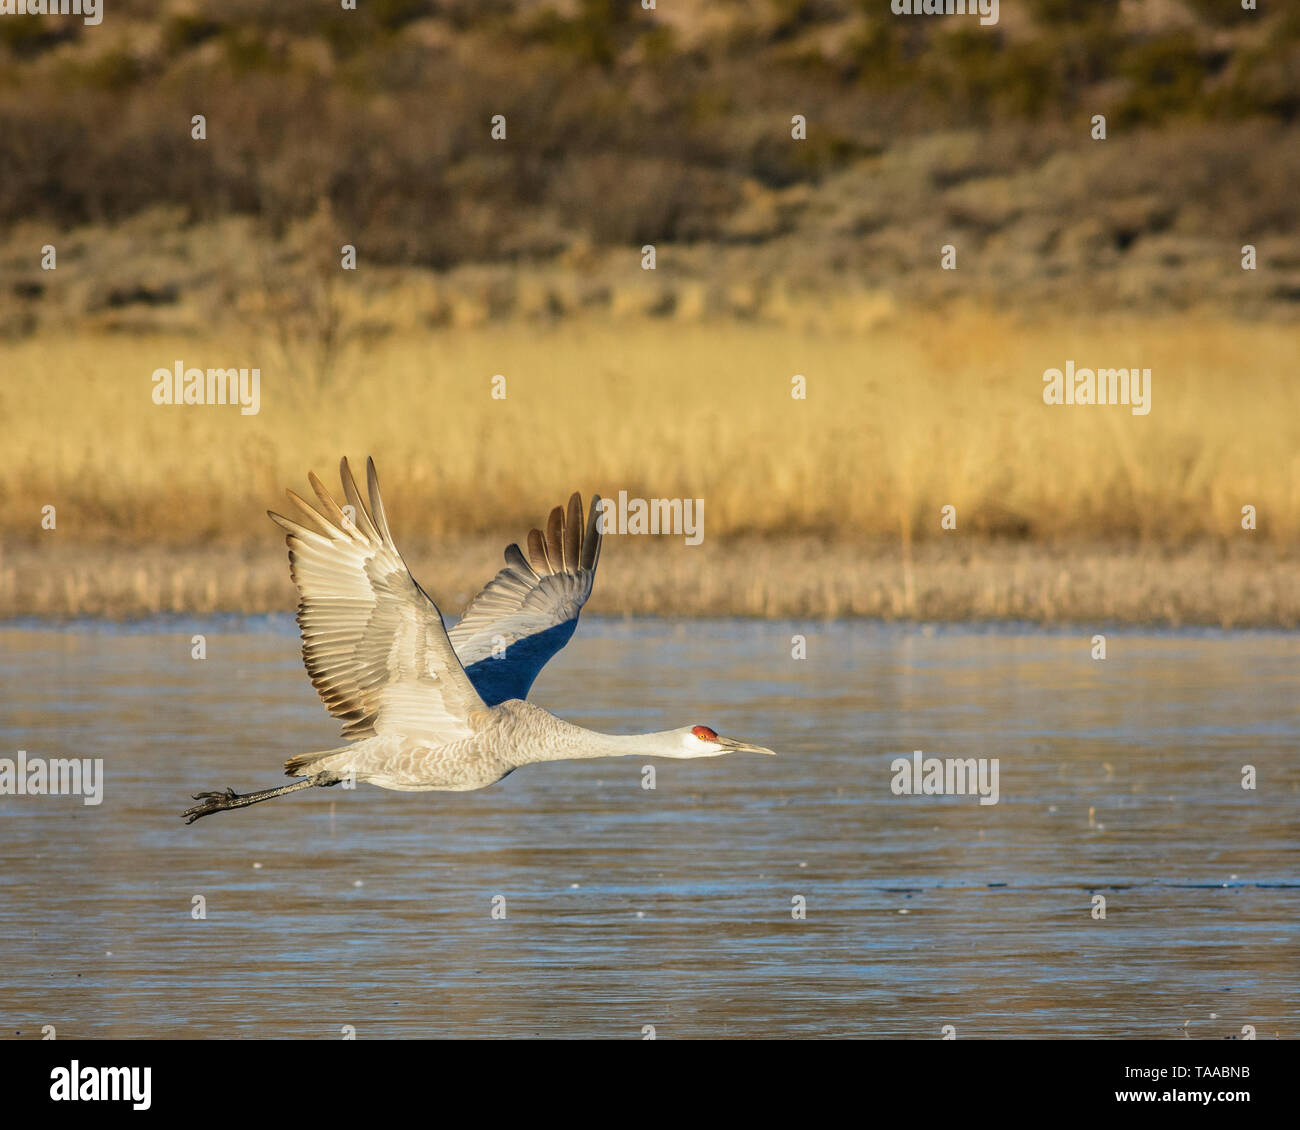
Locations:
900 420
1238 585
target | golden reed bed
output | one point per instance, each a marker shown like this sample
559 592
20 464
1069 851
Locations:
1087 585
812 507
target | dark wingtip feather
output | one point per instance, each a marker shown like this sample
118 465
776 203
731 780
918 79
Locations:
515 559
573 534
537 553
376 500
555 539
591 543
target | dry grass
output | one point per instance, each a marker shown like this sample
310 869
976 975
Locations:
1248 585
900 420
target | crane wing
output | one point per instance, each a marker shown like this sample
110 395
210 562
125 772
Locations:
373 642
529 610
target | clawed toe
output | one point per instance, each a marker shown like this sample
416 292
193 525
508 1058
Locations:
212 802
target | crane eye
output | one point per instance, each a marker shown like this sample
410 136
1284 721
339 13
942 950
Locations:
704 734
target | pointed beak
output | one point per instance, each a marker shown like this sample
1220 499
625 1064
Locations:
730 745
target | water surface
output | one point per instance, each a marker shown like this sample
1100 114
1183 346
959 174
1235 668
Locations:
672 907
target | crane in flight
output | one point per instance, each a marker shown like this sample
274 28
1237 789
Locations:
427 709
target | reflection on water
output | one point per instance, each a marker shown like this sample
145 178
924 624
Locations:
628 907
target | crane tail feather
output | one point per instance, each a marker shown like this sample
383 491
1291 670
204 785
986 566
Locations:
309 764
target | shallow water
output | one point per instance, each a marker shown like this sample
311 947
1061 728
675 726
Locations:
672 907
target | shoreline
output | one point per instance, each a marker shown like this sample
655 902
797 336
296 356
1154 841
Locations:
1237 585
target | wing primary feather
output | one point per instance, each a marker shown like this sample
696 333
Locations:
537 551
377 503
287 525
311 514
555 540
573 533
364 522
516 560
591 543
300 535
332 509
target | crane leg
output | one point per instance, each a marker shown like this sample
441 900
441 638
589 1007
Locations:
221 801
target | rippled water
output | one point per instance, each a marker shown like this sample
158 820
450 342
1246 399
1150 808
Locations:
671 907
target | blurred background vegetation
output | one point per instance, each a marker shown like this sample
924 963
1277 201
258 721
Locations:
775 256
672 126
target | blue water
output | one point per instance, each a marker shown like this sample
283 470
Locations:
672 906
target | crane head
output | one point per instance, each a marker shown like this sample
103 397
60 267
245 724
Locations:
704 741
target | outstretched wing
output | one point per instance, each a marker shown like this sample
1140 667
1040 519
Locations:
373 641
528 611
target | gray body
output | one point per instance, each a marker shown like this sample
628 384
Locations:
505 737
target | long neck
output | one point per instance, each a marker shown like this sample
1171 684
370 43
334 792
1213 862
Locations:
541 736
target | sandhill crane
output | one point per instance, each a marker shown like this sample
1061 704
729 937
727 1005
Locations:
428 709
